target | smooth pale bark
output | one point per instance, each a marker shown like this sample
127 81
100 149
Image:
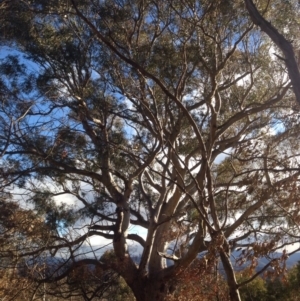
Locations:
230 275
156 262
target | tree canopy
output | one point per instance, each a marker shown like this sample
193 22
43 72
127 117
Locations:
178 117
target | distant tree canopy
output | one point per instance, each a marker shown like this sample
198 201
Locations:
178 117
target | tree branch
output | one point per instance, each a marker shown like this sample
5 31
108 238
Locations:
281 42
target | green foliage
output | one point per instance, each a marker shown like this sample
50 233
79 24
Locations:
284 287
255 290
57 216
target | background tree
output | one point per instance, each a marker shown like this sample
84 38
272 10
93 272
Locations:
284 288
23 231
255 290
20 230
170 115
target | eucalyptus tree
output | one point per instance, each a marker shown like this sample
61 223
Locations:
173 116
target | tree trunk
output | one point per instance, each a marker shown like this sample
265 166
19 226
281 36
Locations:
231 280
153 290
144 288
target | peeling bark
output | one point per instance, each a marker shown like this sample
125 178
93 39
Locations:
120 235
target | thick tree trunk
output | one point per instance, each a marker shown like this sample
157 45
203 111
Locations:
151 290
156 262
143 287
